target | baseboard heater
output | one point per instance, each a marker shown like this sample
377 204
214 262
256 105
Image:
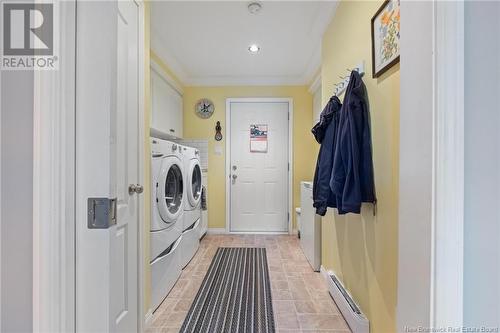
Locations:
356 320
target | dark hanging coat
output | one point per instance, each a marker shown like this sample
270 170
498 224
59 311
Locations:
352 173
325 133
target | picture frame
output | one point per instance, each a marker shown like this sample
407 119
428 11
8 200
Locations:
385 26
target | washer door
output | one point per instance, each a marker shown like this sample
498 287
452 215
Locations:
170 189
194 187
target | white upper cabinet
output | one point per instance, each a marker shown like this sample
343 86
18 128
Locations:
166 104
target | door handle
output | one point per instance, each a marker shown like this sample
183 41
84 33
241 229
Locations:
234 178
135 188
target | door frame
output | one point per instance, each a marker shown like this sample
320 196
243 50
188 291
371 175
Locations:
228 158
144 135
54 182
54 185
431 198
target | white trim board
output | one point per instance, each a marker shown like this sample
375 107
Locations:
216 231
148 319
431 206
228 155
141 319
54 186
448 165
315 84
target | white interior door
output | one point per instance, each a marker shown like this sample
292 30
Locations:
259 179
107 165
124 250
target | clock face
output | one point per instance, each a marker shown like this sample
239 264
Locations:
204 108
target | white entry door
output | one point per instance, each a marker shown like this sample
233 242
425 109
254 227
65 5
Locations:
107 94
258 166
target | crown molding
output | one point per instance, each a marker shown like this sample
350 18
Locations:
246 81
316 84
165 76
322 21
314 65
160 49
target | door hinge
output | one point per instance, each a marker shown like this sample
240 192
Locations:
288 115
288 217
288 166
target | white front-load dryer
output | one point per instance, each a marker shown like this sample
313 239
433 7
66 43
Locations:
193 181
167 203
192 204
167 195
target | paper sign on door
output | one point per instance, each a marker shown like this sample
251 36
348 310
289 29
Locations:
258 138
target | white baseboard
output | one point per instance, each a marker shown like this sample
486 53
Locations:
357 322
148 318
216 231
222 231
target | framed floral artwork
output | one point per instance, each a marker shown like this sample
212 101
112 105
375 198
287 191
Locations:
385 37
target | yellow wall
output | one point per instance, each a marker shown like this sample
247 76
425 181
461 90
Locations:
363 249
197 128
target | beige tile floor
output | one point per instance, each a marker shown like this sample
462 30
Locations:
301 301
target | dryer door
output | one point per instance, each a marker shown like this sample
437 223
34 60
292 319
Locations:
170 189
194 185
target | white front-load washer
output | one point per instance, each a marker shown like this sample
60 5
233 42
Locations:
192 204
167 198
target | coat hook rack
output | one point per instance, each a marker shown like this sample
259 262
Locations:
342 85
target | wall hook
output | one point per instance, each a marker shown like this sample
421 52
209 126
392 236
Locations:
218 134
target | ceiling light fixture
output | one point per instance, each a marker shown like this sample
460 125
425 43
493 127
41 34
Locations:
254 48
254 7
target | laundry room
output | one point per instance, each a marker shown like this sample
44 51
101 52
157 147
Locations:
249 166
240 107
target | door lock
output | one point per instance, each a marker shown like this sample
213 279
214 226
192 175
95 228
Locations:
101 213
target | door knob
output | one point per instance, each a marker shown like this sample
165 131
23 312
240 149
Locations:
135 188
234 176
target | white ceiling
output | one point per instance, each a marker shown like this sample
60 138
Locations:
206 42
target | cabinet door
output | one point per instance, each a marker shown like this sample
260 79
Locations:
166 115
175 112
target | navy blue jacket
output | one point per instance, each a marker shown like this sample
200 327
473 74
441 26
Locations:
352 173
325 133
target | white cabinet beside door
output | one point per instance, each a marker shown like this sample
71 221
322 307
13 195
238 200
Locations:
166 102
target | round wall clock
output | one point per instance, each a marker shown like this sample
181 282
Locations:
204 108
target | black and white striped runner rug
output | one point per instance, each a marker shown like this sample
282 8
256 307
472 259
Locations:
235 295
